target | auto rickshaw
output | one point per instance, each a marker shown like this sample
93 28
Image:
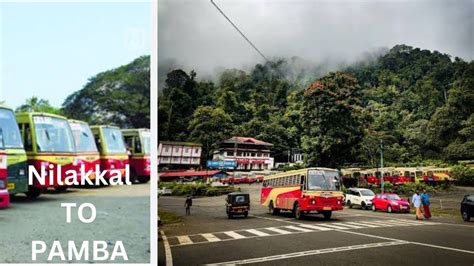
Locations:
237 203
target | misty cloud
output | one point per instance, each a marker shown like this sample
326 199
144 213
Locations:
194 35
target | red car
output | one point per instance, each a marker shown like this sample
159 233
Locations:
390 202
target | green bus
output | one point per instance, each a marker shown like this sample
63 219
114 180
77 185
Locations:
16 156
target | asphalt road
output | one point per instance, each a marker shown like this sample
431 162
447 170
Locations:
351 237
122 215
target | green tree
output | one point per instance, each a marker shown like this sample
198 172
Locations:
35 104
331 120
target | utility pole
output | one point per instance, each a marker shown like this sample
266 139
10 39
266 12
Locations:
235 154
381 166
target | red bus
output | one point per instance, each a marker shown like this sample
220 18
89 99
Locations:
4 195
303 191
138 146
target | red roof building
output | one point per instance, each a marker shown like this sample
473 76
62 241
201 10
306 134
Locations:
171 176
248 152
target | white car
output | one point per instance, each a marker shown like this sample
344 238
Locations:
164 191
359 197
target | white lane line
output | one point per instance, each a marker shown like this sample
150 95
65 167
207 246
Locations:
184 240
334 226
210 237
298 228
380 223
408 242
310 253
363 224
234 235
291 221
315 227
277 230
401 223
256 232
349 225
166 244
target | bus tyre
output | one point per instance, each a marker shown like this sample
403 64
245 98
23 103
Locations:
349 204
60 189
297 212
143 179
327 215
272 209
33 192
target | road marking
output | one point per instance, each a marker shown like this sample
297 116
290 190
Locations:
349 225
311 253
314 227
297 228
166 244
408 242
363 224
234 235
184 240
277 230
334 226
256 232
210 237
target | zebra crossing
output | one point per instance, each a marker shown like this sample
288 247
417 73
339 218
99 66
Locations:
296 228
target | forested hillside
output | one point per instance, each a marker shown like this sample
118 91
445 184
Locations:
119 97
420 103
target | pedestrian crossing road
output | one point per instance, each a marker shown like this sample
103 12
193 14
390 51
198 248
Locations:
295 228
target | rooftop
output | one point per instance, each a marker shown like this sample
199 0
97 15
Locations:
180 143
247 140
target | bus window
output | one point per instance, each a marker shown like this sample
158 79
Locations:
129 143
98 143
27 136
138 145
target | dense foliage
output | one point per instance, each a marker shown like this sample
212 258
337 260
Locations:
420 103
119 97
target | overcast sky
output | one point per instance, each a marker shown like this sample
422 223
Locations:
194 35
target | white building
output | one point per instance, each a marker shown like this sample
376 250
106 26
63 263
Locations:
249 153
177 154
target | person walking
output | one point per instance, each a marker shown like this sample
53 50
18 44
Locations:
188 203
416 201
425 201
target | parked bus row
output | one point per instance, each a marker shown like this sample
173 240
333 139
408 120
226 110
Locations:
396 175
48 141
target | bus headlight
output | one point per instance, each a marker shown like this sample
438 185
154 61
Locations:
21 172
338 202
313 202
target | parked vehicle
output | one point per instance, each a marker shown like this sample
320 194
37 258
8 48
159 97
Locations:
87 153
113 154
303 191
237 203
390 202
164 191
4 195
17 161
138 146
49 143
359 197
467 207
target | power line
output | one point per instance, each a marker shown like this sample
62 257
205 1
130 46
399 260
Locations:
241 33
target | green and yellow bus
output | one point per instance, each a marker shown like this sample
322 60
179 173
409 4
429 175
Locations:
86 149
17 166
113 153
49 143
138 146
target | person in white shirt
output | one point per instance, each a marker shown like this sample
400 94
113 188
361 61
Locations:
416 201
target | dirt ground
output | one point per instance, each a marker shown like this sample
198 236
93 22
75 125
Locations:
123 214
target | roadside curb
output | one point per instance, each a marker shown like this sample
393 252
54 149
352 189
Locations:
168 255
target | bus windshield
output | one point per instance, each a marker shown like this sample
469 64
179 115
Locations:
53 134
146 142
322 180
114 140
83 137
9 130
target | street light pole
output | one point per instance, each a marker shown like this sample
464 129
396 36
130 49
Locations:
381 166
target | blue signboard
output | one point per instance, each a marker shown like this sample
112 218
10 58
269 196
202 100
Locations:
221 164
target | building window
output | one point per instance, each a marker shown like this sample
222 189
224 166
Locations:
253 154
196 150
175 159
176 149
186 150
230 153
239 153
167 149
